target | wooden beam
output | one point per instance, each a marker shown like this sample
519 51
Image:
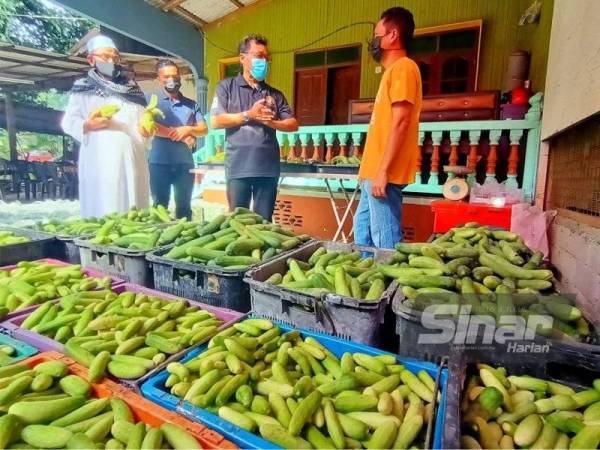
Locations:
237 3
170 4
11 125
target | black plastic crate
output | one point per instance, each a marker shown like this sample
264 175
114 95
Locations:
409 326
64 248
128 265
39 247
215 286
559 364
345 317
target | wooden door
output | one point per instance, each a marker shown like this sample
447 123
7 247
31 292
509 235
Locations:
344 85
310 96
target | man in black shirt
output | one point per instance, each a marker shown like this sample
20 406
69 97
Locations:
251 111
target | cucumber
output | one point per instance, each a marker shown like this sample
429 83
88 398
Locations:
281 437
226 261
178 438
588 437
212 226
46 436
304 411
505 269
237 418
385 435
203 253
528 430
36 412
87 411
243 246
355 402
421 281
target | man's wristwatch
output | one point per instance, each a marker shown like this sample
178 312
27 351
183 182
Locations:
246 117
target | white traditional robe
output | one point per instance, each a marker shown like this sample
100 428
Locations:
113 165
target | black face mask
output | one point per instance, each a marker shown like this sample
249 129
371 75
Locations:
375 49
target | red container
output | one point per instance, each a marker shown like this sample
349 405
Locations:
449 214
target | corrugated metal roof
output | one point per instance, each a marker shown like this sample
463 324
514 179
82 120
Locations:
38 68
200 12
30 68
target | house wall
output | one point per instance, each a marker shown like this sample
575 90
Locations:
575 251
291 24
573 66
572 132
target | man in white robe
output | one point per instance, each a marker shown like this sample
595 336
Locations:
113 165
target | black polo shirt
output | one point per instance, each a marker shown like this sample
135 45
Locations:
252 148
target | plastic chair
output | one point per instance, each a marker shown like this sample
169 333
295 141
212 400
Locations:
6 178
69 181
21 178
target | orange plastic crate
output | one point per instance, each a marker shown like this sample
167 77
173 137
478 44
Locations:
143 410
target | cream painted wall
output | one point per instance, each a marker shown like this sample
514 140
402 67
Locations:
573 78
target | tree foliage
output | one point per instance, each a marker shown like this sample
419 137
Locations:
57 35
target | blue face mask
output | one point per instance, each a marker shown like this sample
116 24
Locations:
259 69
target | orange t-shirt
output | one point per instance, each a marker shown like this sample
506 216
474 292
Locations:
400 82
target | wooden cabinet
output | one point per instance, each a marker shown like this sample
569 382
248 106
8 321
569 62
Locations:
437 108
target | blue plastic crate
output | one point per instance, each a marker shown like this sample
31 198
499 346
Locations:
154 390
22 350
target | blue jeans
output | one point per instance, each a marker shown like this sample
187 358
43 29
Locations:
162 177
378 221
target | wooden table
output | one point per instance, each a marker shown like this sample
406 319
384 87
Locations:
326 177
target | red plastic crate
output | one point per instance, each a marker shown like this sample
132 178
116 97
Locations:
449 214
142 409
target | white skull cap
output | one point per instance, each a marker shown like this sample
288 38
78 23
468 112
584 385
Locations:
100 41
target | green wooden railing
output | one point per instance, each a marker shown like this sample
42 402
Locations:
505 150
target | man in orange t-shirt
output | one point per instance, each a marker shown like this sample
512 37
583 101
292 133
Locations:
390 158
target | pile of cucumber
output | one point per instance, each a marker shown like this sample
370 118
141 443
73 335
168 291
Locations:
235 241
501 411
69 227
33 283
6 354
342 160
341 273
492 271
126 234
47 407
126 334
80 227
296 393
9 238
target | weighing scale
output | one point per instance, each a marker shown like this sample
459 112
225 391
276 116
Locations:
456 188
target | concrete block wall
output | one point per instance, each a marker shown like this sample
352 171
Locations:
575 251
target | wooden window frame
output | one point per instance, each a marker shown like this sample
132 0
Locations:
223 62
358 62
476 24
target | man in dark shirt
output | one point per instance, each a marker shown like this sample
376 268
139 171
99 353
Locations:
175 138
251 111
